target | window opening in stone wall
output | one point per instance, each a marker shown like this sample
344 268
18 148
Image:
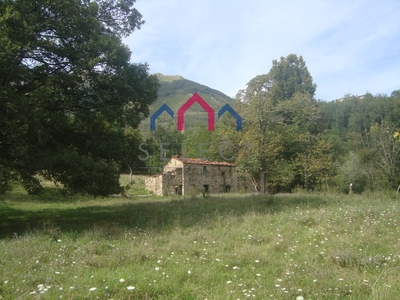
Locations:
205 188
178 190
227 188
204 169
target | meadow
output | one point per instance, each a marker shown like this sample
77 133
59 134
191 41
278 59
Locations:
228 246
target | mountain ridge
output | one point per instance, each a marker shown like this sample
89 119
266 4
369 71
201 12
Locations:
175 90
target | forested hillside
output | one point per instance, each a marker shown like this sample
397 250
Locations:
175 91
364 133
289 140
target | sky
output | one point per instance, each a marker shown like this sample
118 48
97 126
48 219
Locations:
350 47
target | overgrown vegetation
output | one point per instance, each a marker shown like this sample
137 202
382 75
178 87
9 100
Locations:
289 139
70 99
227 246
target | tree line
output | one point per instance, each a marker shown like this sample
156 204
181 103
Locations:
71 105
292 140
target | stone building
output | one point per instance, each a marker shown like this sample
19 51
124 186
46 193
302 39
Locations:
191 176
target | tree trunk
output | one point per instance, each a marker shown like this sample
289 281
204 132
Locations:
263 185
130 174
253 181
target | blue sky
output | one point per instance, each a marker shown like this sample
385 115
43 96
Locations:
350 47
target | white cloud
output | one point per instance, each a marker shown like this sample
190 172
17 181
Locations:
349 47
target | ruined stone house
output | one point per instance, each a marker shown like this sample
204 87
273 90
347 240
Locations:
190 175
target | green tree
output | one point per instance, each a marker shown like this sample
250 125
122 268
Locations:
288 76
387 146
361 129
351 171
310 154
161 144
254 107
197 141
225 140
131 160
68 91
281 122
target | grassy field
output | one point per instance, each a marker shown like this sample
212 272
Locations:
227 246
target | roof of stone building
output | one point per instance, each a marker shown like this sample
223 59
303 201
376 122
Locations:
198 161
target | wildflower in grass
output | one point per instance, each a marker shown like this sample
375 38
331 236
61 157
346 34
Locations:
189 272
258 275
299 298
92 289
122 280
235 268
130 287
229 282
157 268
257 261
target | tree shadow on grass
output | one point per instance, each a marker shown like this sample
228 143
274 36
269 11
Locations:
149 214
50 195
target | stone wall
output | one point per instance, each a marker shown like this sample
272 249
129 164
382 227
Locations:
154 184
173 164
193 176
168 183
208 178
172 182
213 179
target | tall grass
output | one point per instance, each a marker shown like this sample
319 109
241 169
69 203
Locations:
223 247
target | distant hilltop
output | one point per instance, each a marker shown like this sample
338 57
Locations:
352 96
168 78
175 90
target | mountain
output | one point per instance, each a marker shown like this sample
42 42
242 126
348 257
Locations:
176 90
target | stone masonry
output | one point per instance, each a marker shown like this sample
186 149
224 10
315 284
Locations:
192 176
